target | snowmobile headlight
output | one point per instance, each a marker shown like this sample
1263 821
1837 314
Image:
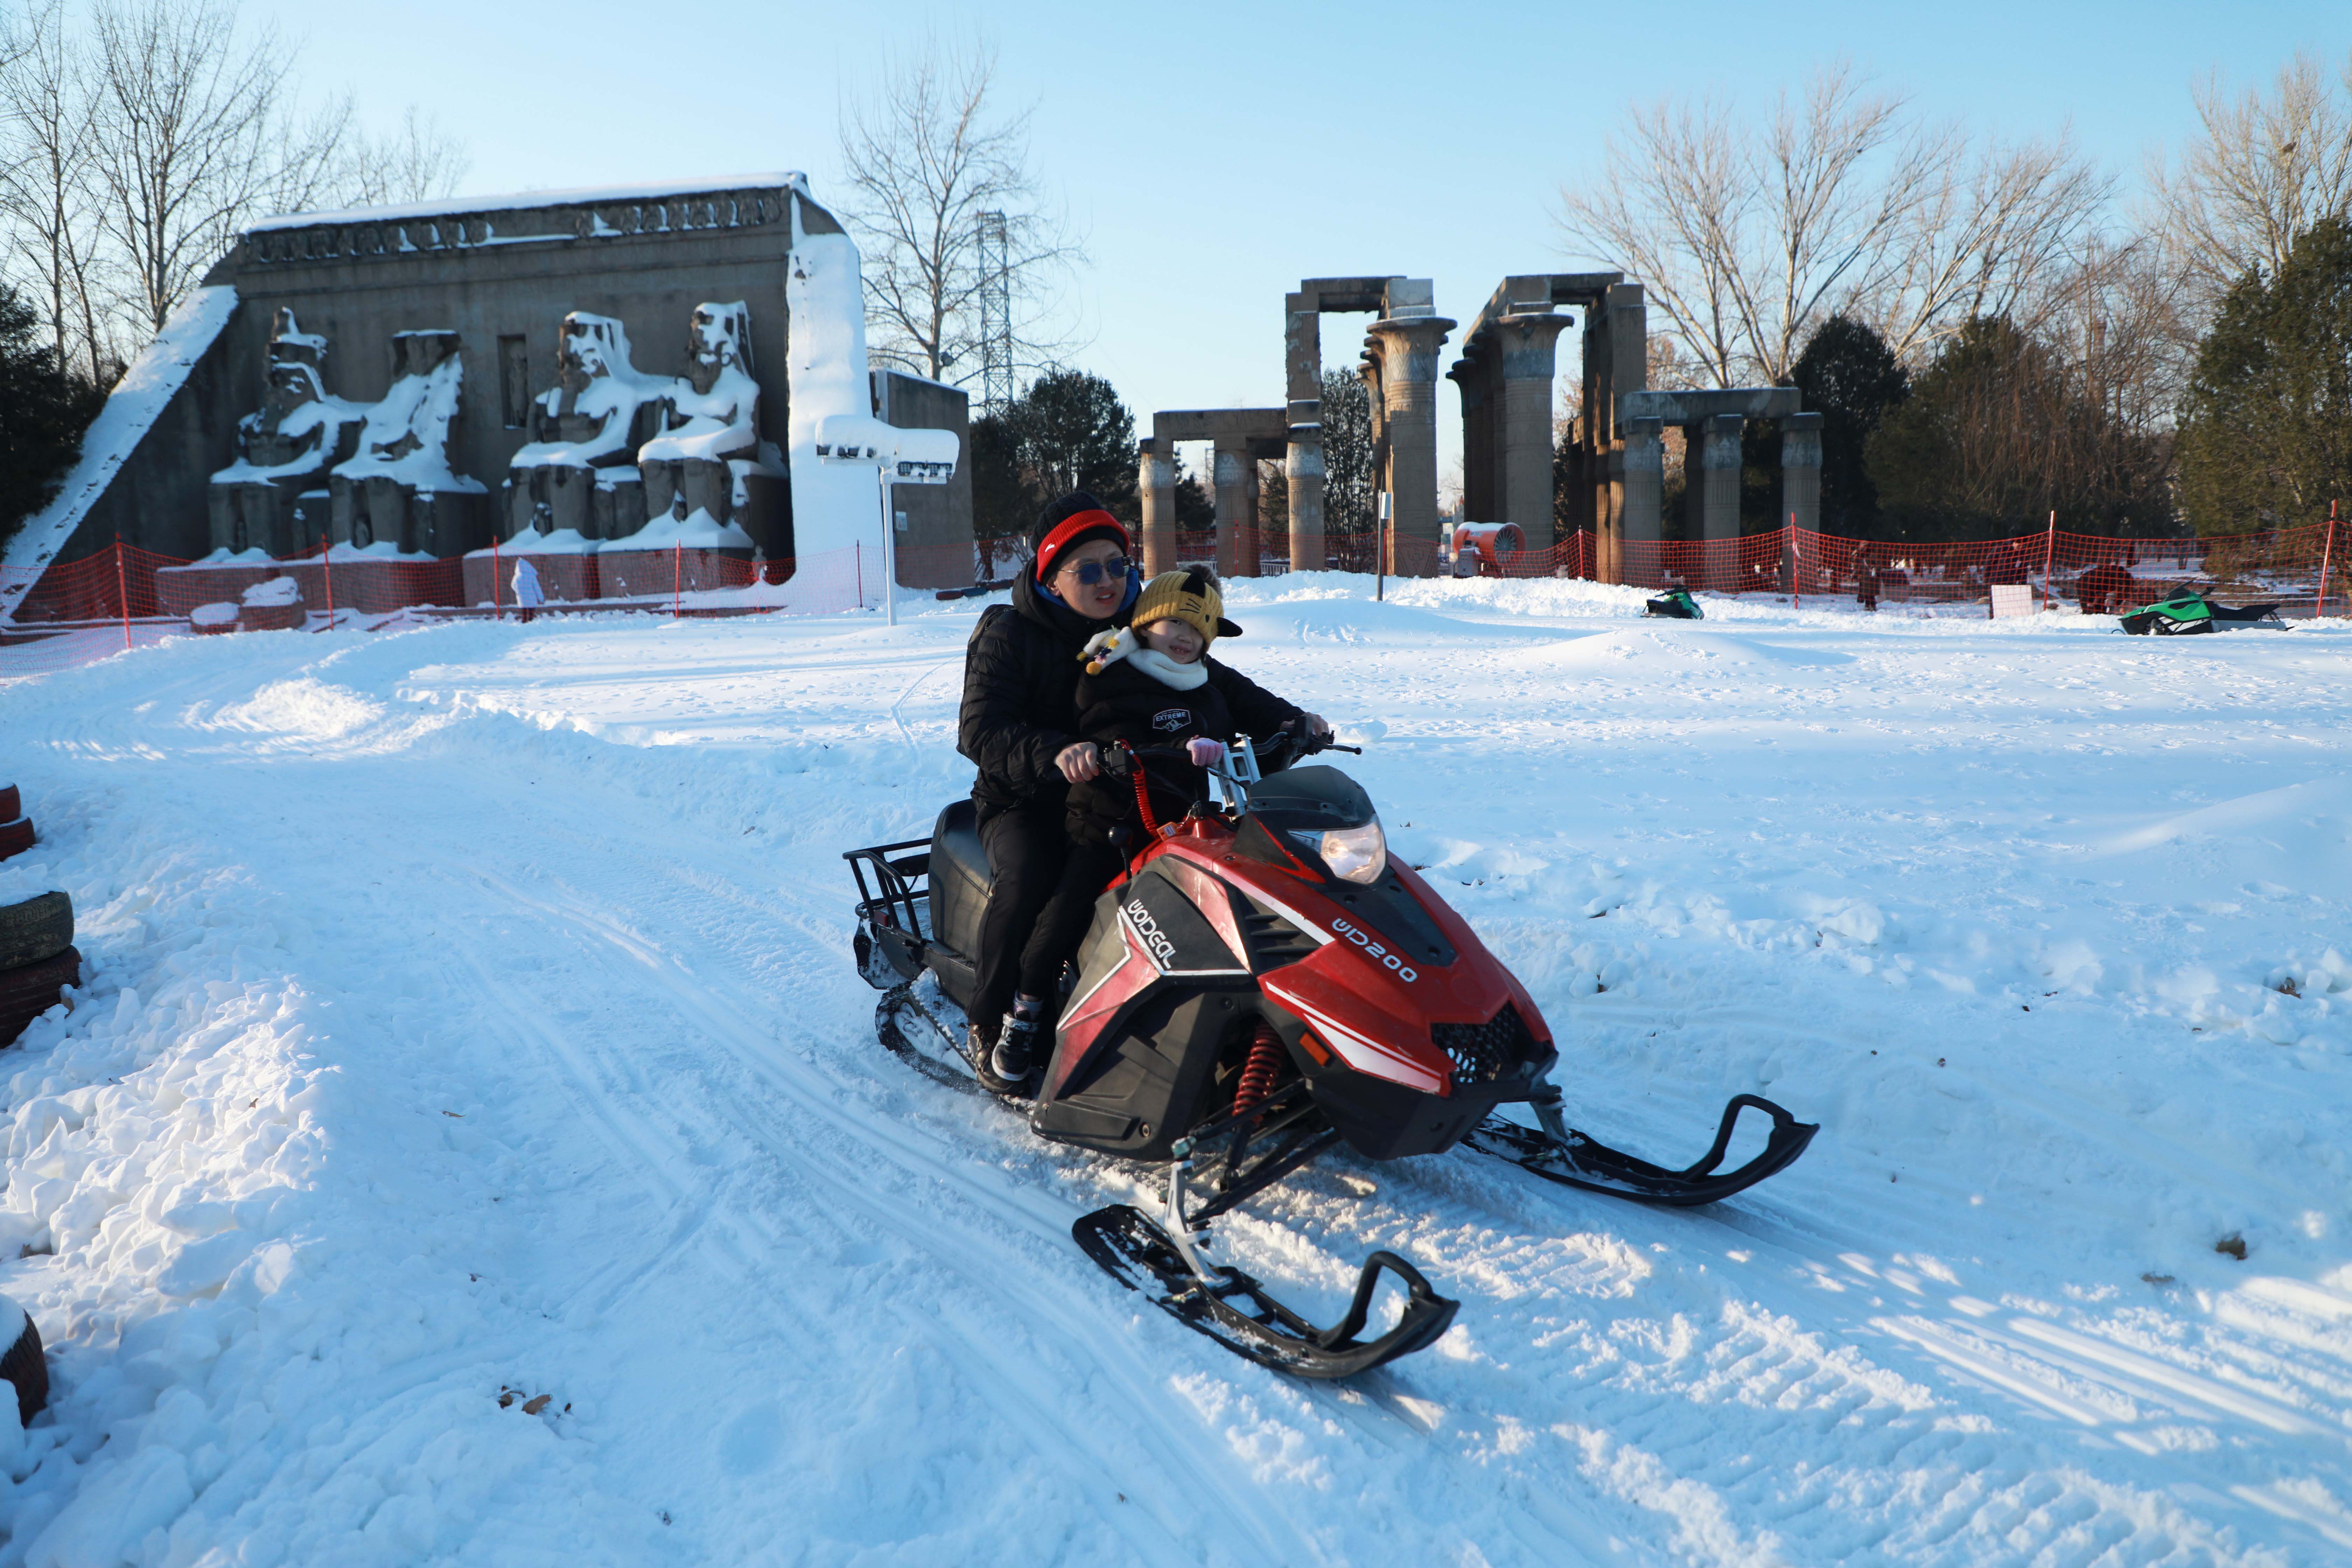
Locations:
1354 854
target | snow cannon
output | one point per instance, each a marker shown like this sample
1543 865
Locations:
1493 546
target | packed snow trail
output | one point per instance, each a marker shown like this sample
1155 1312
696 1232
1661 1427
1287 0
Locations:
470 1010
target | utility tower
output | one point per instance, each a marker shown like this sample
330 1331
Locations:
995 315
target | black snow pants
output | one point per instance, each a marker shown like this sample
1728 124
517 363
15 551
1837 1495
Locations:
1041 894
1088 864
1026 846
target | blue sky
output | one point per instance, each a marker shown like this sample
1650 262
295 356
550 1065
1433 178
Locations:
1214 155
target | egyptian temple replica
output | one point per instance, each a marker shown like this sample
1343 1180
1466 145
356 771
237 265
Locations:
601 373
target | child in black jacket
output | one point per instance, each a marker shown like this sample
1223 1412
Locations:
1148 684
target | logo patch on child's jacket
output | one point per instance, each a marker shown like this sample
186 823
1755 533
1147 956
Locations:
1172 718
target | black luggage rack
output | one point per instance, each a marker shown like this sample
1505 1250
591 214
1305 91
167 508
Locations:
896 898
894 923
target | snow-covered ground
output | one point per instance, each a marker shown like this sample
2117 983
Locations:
469 1011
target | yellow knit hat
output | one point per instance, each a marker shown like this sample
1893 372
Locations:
1190 596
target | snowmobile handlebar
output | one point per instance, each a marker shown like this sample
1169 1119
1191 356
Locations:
1288 746
1279 751
1119 757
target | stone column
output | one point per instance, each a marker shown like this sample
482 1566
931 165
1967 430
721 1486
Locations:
1408 348
1252 561
1643 487
1527 362
1157 481
1606 475
1470 383
1619 332
1719 445
1302 363
1368 370
1801 471
1233 519
1302 467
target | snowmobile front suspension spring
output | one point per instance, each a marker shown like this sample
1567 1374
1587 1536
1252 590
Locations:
1257 1075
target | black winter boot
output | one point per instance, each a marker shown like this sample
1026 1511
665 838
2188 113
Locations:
1014 1057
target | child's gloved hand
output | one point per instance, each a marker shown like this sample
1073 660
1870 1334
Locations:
1203 751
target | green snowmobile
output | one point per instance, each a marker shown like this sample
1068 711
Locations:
2187 614
1675 605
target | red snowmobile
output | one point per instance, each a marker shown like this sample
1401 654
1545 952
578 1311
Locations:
1263 983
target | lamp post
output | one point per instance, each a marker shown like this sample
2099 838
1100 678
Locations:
897 456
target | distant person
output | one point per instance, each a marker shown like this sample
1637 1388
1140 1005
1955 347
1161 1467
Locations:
527 594
2103 588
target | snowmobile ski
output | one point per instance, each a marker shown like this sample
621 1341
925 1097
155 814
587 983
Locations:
1234 1309
1560 1153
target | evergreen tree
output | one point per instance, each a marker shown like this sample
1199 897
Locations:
1999 434
1074 434
2266 426
1068 430
1196 508
1349 483
43 413
1850 378
1001 504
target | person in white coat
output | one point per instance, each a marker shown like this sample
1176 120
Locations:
527 594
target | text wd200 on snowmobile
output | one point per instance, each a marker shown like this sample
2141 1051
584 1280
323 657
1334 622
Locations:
1263 983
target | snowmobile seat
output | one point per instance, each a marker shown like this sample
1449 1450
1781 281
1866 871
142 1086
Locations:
959 887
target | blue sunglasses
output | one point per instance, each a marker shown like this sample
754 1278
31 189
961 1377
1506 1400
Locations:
1089 573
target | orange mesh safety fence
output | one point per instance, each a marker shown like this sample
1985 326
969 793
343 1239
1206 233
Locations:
124 596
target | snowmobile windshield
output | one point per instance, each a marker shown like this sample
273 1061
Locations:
1314 798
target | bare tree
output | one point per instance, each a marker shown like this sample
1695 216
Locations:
1746 238
2116 319
922 159
189 142
418 163
44 194
1669 211
1987 233
139 137
2265 167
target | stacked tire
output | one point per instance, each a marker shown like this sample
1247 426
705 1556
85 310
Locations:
15 828
37 960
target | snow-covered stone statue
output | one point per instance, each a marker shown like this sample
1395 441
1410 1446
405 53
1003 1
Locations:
399 490
705 467
578 475
284 447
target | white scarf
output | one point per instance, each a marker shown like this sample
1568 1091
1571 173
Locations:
1106 648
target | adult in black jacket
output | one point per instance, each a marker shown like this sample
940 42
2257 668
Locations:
1018 724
